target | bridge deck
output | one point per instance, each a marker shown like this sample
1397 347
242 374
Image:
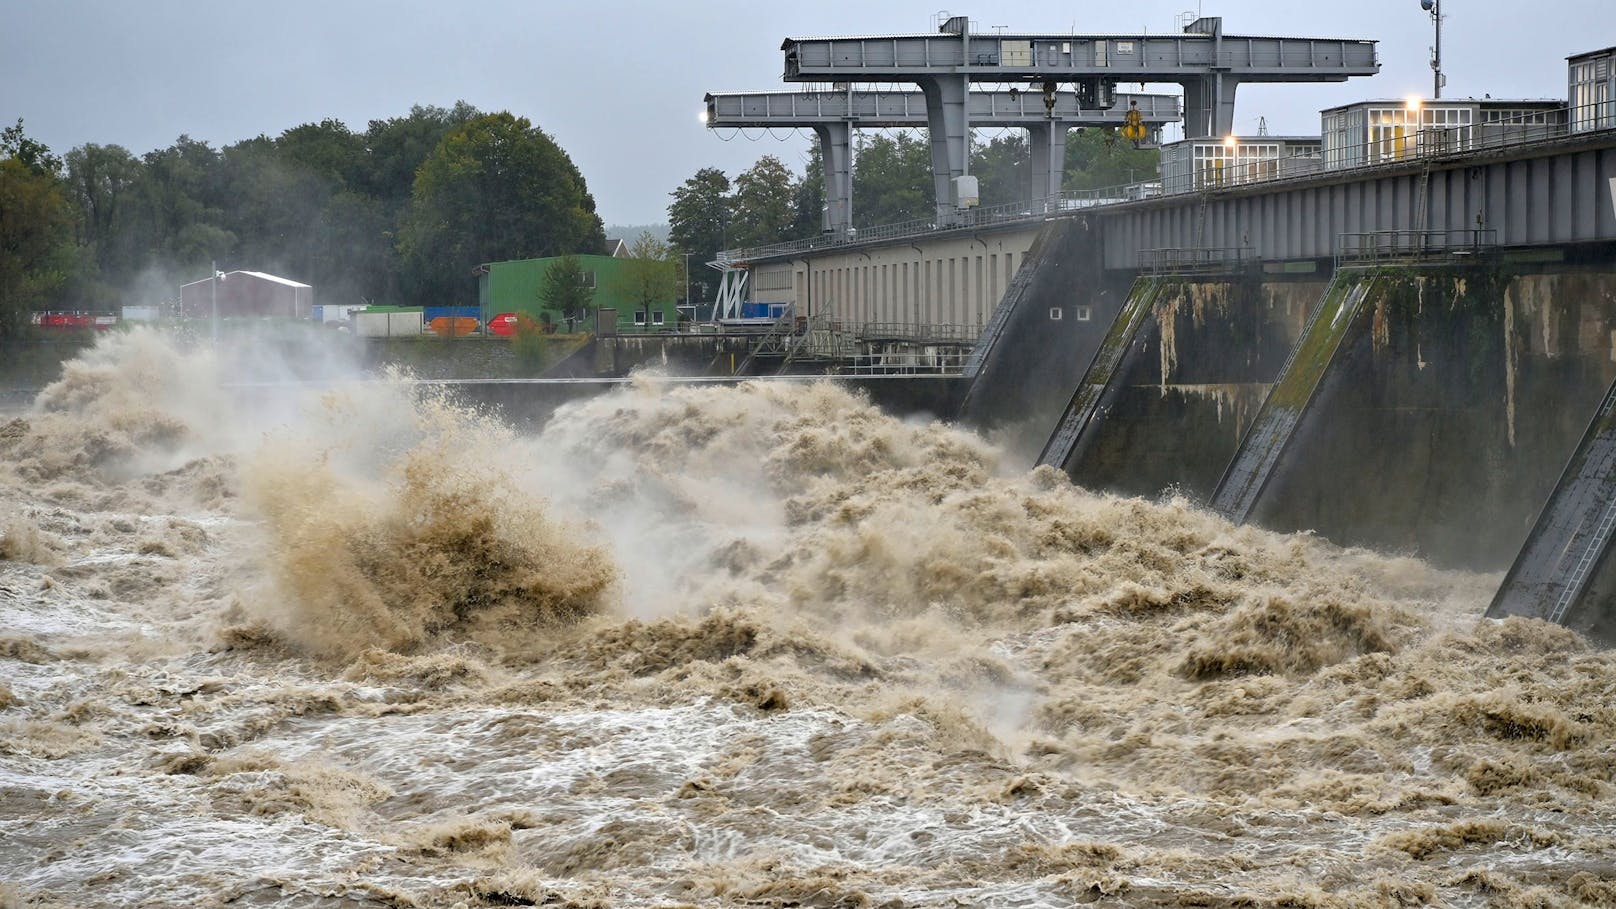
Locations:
1121 58
908 109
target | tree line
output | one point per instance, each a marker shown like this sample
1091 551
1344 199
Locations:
399 213
402 212
892 182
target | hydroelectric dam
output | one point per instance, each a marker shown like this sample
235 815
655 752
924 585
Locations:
1399 333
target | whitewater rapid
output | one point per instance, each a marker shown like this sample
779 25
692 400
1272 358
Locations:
350 644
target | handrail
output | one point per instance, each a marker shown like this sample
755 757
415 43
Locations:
1386 245
1172 260
970 219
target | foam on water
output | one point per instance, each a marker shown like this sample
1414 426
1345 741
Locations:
760 645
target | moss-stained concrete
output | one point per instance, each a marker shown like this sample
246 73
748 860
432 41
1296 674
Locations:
1191 381
1441 423
1103 370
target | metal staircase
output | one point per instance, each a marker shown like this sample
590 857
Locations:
773 343
1572 534
1577 579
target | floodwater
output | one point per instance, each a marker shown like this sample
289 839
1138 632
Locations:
744 646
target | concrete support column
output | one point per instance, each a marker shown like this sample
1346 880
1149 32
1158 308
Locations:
835 145
1209 106
950 138
1047 142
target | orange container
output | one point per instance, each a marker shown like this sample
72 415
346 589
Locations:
456 326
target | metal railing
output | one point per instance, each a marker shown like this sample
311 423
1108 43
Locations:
1177 260
1396 245
1226 177
968 219
911 331
863 348
1420 146
944 361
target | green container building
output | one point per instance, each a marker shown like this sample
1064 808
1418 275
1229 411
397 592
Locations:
514 287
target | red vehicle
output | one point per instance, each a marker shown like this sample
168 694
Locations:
507 324
96 321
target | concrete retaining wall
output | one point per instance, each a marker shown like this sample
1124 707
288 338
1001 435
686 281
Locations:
1444 419
1191 382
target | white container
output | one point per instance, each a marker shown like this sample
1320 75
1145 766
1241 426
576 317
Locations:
387 324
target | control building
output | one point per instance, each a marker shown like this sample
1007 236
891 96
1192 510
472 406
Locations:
1592 87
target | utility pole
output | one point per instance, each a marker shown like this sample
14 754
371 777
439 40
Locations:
1434 7
214 287
689 302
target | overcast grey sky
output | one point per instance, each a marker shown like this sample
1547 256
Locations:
619 83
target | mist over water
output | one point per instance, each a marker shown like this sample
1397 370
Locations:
350 645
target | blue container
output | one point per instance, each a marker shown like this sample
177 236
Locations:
454 312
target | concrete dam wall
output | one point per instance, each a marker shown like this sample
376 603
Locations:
1188 380
1445 414
1054 316
1422 408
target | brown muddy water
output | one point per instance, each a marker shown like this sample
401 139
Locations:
745 646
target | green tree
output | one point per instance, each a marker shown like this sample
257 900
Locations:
100 182
1097 158
177 217
100 179
394 150
36 240
327 149
396 147
567 289
352 250
34 155
273 204
809 201
495 188
764 206
1003 169
650 276
698 219
892 180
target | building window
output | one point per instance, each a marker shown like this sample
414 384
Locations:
1055 314
1397 132
656 317
639 317
1083 313
1224 164
589 279
1591 95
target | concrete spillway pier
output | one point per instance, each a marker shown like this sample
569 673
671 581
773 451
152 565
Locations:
1424 408
1291 391
1564 573
1179 380
1448 408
